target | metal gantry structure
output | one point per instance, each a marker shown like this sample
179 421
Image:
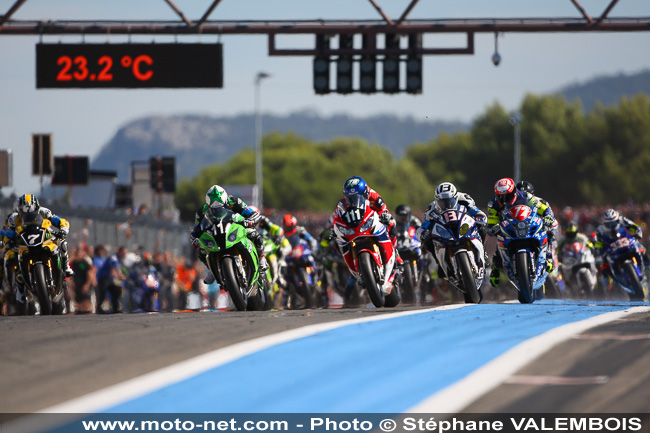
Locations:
391 54
403 25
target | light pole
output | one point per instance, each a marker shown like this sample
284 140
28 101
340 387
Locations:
515 120
259 177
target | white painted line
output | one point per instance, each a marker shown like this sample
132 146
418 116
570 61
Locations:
139 386
458 396
556 380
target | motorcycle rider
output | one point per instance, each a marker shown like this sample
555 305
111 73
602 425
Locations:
404 215
507 195
276 234
28 205
217 197
571 235
291 227
446 197
612 220
356 186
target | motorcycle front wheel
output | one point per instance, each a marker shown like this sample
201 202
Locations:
237 295
469 283
635 284
522 262
369 281
38 272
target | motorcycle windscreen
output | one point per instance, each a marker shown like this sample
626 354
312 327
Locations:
355 210
32 218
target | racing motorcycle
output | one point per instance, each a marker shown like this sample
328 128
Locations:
459 250
40 263
370 255
232 258
578 267
299 272
409 248
622 255
523 244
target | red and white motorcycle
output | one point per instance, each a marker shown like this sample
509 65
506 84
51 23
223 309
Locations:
367 250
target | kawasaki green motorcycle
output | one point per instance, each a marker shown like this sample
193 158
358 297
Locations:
232 258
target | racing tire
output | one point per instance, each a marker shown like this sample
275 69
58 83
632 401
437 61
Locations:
550 288
635 283
584 282
307 291
257 302
522 263
44 301
407 288
237 295
393 298
467 276
369 282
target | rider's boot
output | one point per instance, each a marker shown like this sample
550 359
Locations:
495 274
264 265
65 264
549 264
209 279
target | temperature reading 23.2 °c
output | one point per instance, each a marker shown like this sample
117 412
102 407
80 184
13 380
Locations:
97 66
79 69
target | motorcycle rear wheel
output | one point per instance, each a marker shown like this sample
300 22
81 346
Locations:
522 261
469 283
369 281
408 284
638 295
237 295
307 291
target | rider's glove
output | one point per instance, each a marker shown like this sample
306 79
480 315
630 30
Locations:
385 217
64 232
549 221
195 241
425 235
481 219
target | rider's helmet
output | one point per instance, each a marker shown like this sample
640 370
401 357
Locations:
355 186
571 230
526 186
27 204
289 224
446 196
216 197
505 191
403 213
610 219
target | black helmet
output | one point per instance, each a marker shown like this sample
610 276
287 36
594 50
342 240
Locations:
571 230
403 213
526 186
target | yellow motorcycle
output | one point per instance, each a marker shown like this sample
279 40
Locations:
40 263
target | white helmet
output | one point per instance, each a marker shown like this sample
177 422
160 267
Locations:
610 218
216 196
446 196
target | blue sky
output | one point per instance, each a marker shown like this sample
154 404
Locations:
455 87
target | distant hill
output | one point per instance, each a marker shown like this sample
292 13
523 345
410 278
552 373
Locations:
197 141
608 90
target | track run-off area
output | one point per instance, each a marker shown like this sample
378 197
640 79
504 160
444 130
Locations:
550 356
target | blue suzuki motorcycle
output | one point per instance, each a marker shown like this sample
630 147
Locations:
300 272
523 245
622 253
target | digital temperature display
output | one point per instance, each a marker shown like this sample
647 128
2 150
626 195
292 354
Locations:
92 66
